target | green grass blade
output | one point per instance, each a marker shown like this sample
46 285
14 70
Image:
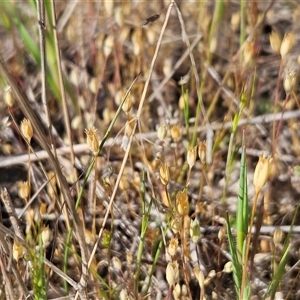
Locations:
242 216
237 267
278 275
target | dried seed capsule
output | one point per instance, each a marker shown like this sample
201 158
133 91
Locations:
176 133
173 246
172 273
162 132
92 140
195 231
24 190
26 129
275 41
182 203
261 172
9 98
191 156
287 44
202 151
164 174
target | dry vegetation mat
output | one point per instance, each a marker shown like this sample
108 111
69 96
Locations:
149 149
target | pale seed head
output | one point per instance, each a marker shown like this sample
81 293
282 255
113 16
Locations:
195 231
248 52
24 190
172 273
46 236
191 156
202 151
173 246
183 101
182 203
26 129
129 128
176 223
235 21
51 186
119 16
177 291
275 41
18 251
290 81
89 237
108 45
176 133
92 140
228 268
262 171
109 6
278 236
200 277
116 263
287 44
125 296
127 105
162 132
164 174
9 98
221 234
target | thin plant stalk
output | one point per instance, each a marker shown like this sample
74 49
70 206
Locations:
248 241
145 222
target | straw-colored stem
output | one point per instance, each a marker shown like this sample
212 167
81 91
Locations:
94 198
275 107
183 247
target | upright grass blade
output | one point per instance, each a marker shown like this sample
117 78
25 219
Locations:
242 215
272 288
242 220
237 267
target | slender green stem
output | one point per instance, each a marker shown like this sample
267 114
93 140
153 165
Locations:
245 259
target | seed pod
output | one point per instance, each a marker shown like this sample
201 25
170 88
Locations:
202 151
200 277
172 273
176 133
261 173
92 140
127 105
108 45
287 44
46 236
191 156
26 129
18 251
162 132
116 263
195 231
182 203
24 190
173 246
228 268
9 98
290 81
248 52
164 174
277 236
275 41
